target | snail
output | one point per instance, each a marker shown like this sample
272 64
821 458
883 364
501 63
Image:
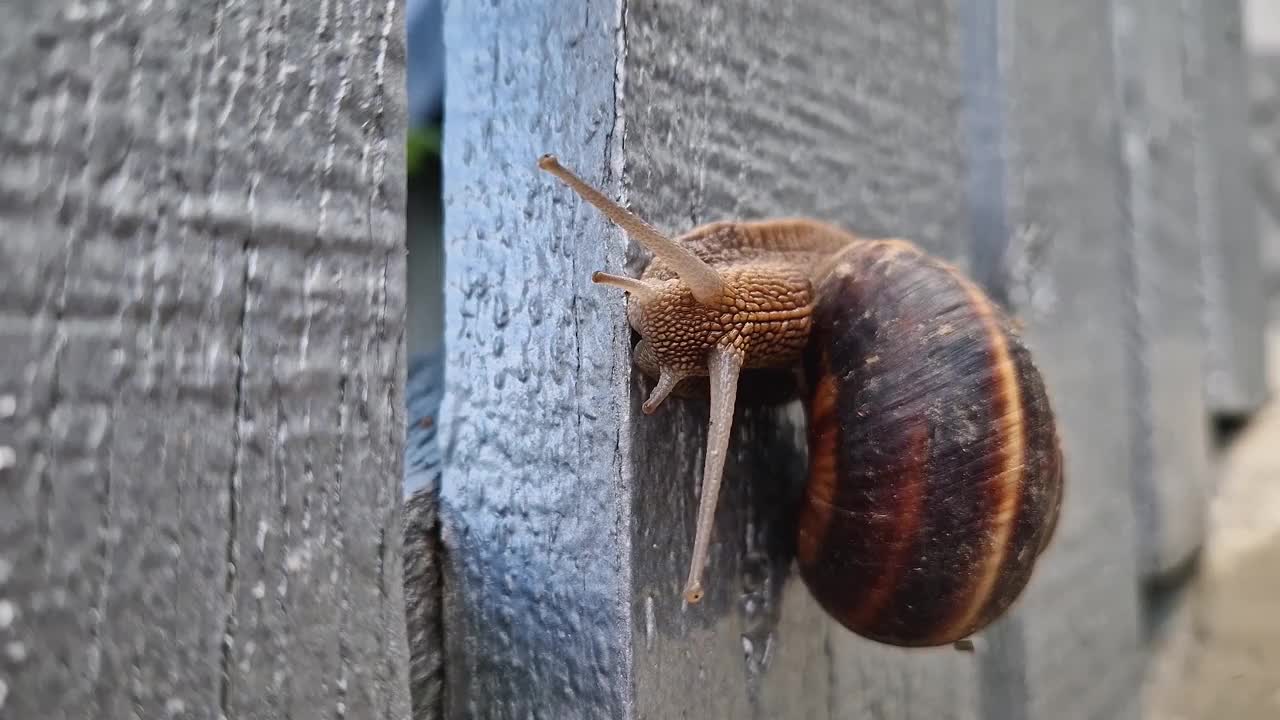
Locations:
935 468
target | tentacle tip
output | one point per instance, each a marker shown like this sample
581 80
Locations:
666 383
598 277
693 594
548 162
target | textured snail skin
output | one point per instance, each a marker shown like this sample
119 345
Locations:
935 469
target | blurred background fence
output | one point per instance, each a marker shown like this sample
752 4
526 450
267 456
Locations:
211 441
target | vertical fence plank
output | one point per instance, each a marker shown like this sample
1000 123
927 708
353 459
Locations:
1235 306
201 371
535 499
1170 419
1050 244
845 111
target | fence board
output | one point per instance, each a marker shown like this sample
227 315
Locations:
201 371
1235 304
1051 245
848 112
535 498
1171 423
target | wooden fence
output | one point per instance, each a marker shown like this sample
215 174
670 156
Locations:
203 376
1084 160
201 360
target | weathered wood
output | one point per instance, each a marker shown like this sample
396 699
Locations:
567 515
201 362
1170 420
1049 240
850 112
1235 307
535 505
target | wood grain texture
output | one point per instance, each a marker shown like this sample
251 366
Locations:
1171 476
986 131
848 112
567 516
1052 246
535 501
1231 257
201 361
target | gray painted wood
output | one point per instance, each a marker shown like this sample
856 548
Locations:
1171 476
1235 309
1049 238
567 515
850 112
535 506
201 360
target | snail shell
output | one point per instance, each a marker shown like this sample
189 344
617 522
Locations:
935 475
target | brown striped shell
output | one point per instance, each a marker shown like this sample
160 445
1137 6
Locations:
935 469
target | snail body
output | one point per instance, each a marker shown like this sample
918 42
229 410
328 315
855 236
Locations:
935 472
